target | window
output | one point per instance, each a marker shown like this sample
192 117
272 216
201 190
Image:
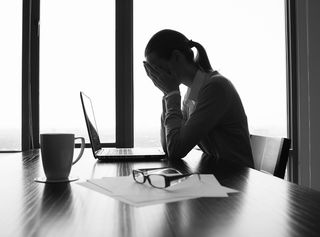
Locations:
10 74
77 53
245 41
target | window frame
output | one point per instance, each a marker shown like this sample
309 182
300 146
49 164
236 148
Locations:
30 75
292 89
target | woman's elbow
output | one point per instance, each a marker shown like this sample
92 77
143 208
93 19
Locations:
177 148
175 153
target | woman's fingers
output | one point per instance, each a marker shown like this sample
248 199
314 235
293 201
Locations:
153 69
147 70
154 78
153 74
161 79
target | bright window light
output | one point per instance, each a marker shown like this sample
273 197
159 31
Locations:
77 53
10 74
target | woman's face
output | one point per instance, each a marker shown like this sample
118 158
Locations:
153 59
175 66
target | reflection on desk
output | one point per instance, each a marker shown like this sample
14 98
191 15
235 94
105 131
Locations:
265 206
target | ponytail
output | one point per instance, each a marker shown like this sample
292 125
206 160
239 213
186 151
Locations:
201 59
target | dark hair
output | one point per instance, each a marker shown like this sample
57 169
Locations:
165 42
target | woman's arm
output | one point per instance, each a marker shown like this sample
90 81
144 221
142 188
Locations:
162 129
181 137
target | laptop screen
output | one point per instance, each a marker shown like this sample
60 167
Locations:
90 121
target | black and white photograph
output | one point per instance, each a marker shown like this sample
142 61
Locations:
160 118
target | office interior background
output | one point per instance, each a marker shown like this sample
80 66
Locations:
272 61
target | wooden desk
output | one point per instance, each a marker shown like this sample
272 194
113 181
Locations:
266 206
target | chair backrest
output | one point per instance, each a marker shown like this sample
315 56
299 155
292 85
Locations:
270 154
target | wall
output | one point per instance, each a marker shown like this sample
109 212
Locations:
308 59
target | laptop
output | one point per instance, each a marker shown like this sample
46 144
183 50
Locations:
114 154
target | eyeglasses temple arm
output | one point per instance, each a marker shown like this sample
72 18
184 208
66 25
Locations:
152 169
169 179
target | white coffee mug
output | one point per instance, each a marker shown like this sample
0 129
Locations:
57 154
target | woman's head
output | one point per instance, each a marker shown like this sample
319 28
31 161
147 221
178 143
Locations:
172 51
165 42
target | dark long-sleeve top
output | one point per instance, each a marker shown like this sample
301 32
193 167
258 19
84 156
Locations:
212 117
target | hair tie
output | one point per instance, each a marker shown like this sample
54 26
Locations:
190 43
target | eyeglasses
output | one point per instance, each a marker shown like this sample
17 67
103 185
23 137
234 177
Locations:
157 179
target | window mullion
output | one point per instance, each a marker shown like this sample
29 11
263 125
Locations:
30 75
124 73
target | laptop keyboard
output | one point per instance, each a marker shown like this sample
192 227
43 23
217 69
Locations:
118 151
129 152
125 151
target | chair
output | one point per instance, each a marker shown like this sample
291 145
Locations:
270 154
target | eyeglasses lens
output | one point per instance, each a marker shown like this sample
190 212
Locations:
138 176
157 181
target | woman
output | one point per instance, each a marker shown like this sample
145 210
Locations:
212 114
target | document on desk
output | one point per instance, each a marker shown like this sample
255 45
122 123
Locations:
125 189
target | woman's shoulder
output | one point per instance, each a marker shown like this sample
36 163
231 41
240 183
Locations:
216 81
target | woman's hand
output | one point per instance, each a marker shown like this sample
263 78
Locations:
161 79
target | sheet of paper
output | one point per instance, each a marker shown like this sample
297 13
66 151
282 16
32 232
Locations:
131 201
125 189
208 185
209 178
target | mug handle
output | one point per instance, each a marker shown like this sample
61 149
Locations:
83 145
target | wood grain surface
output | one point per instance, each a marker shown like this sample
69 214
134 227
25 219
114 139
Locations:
265 205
